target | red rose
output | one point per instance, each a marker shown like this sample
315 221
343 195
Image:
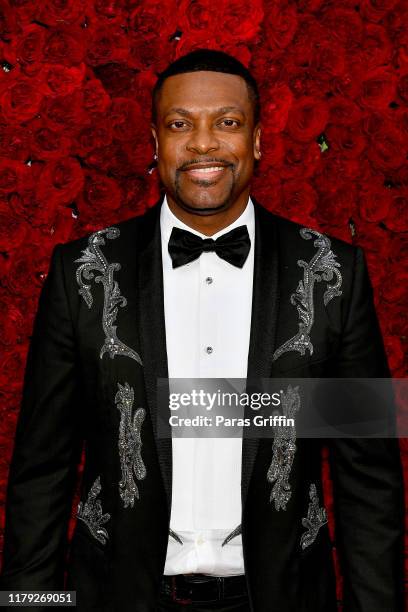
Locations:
101 193
62 80
12 323
280 25
53 12
397 218
376 10
48 142
387 148
348 141
96 100
125 118
376 48
299 200
343 111
345 25
60 181
29 49
27 268
65 45
107 44
336 208
374 200
66 111
301 161
150 19
21 100
275 109
14 176
307 118
12 229
12 363
92 137
273 152
14 142
378 89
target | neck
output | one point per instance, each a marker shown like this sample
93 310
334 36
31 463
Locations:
213 223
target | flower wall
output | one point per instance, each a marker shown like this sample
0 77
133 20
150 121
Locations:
76 152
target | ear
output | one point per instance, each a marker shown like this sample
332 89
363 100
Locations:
154 134
257 141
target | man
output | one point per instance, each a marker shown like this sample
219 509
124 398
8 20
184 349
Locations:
203 285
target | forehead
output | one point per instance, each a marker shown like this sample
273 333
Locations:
204 90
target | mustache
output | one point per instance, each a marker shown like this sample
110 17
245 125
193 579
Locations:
209 160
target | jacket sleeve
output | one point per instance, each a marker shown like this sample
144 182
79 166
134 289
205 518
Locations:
47 447
367 474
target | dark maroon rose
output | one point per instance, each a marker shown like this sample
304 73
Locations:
96 100
49 141
307 118
13 230
107 44
301 161
21 101
275 109
378 88
376 10
55 12
65 45
61 80
60 181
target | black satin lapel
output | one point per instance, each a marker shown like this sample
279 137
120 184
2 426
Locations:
263 319
152 332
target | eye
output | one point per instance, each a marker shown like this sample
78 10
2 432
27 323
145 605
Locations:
176 121
231 121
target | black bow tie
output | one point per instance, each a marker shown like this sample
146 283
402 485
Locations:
233 246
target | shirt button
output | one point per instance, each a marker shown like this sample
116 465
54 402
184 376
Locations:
208 280
209 350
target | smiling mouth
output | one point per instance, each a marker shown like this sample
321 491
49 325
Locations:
210 173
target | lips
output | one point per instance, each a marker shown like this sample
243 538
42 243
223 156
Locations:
206 172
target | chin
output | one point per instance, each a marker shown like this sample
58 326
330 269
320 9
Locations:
203 206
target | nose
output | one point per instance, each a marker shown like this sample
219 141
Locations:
202 140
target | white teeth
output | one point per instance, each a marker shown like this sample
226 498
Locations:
212 169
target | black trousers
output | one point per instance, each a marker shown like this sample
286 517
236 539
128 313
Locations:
235 604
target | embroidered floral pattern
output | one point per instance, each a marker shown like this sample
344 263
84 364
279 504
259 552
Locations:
130 444
91 513
236 532
322 266
283 451
92 260
316 518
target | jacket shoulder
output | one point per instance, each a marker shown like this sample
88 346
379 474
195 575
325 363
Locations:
300 240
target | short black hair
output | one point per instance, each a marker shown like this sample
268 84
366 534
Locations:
215 61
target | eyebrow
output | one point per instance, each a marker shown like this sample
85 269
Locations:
217 111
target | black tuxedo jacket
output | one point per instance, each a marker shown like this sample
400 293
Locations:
98 346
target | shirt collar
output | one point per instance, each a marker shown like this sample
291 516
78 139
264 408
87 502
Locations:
168 220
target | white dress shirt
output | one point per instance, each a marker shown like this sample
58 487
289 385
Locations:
207 303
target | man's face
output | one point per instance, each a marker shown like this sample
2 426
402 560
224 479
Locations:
205 120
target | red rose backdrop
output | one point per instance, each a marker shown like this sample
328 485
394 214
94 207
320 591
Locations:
76 150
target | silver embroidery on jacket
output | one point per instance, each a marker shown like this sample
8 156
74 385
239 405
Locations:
91 513
236 532
92 260
322 266
283 450
316 518
130 444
